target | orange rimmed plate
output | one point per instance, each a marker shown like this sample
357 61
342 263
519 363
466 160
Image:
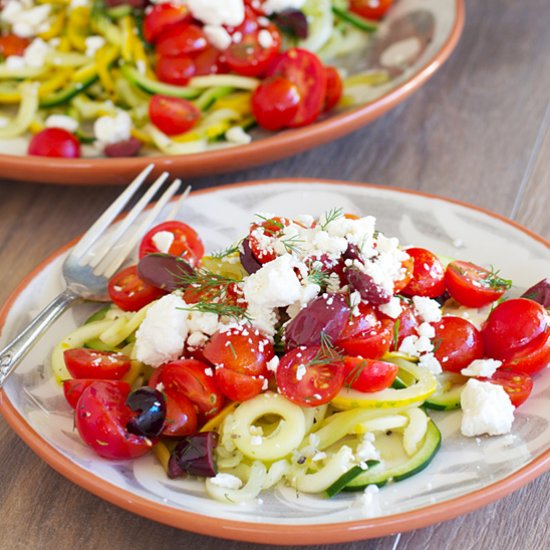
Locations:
466 474
412 44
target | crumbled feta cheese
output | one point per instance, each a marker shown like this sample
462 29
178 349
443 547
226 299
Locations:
429 310
25 18
237 135
482 367
370 501
162 333
62 121
426 330
196 340
218 12
276 6
272 364
94 44
430 362
112 129
265 39
300 371
163 241
226 481
15 62
217 36
392 308
36 52
308 293
366 449
256 440
486 408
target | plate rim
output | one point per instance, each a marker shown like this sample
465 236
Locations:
261 532
101 171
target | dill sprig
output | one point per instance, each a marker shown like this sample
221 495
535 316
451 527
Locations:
330 216
328 353
205 281
355 373
396 328
318 277
219 308
496 282
292 244
223 253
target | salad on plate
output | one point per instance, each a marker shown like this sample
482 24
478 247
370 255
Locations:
119 78
309 354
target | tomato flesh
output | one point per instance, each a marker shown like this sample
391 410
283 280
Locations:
129 292
370 9
181 39
74 388
54 142
517 385
268 228
371 344
11 44
161 17
428 278
175 70
531 359
335 88
90 363
173 115
368 375
238 386
275 103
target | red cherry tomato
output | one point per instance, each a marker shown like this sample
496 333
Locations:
512 326
305 70
186 243
74 388
457 343
238 386
372 344
370 9
173 115
161 17
175 70
129 292
252 55
275 103
531 359
209 61
335 88
101 417
306 382
517 385
54 142
367 320
181 39
368 375
428 277
405 325
407 268
189 377
100 365
268 228
11 44
473 286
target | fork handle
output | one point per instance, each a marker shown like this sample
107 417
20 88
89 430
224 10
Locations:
21 344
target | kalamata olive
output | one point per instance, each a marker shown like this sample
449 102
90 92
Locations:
126 148
250 263
367 288
150 405
194 455
442 298
326 314
352 252
164 271
292 21
539 293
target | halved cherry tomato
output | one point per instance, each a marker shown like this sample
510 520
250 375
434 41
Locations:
258 46
270 228
101 417
306 381
405 325
365 321
209 61
163 16
129 292
368 375
275 103
371 344
100 365
457 343
54 142
73 388
181 39
370 9
517 385
428 277
11 44
173 115
305 70
512 326
407 268
186 241
335 88
473 286
189 377
175 70
238 386
531 359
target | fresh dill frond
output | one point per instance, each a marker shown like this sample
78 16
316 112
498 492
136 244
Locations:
328 353
203 281
330 216
292 244
496 282
221 309
318 277
355 373
396 328
224 252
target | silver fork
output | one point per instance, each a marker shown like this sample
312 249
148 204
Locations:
93 260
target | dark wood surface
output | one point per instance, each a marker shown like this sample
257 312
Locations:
479 131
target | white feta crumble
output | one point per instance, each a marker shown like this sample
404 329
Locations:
429 361
272 364
196 340
218 12
112 129
300 371
163 241
14 62
217 36
36 52
265 39
486 409
308 293
392 308
25 18
162 333
370 501
276 6
62 121
482 367
426 330
226 481
237 135
366 449
94 44
256 440
429 310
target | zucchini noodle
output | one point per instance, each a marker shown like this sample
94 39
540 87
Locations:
247 493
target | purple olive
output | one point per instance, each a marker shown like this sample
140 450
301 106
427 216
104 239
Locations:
126 148
352 252
292 21
164 271
539 293
250 263
367 288
151 406
327 314
194 455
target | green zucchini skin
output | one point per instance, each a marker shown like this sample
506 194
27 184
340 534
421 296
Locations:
446 401
340 484
66 94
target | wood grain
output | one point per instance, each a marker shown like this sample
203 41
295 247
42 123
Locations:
478 131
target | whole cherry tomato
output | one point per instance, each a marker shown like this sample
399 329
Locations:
129 292
54 142
173 115
275 103
181 39
160 17
91 363
428 278
368 375
335 88
175 70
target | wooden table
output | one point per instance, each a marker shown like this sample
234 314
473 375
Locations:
479 131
